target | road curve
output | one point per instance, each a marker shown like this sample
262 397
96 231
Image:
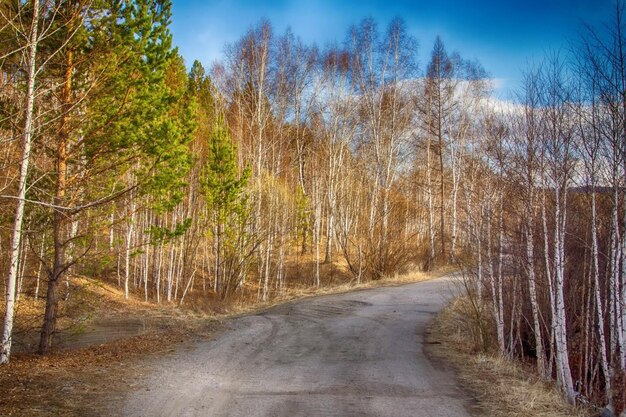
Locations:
352 354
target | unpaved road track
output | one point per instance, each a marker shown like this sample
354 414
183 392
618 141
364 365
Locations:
353 354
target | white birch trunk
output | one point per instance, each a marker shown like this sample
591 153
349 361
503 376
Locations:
532 289
316 234
453 237
495 293
623 302
562 356
478 232
500 278
129 236
146 271
5 344
128 243
40 266
598 300
431 210
548 271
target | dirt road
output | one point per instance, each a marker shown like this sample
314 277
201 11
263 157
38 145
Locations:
353 354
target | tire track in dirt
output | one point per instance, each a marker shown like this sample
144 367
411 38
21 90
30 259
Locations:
352 354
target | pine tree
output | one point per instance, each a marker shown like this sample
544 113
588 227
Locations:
117 115
225 191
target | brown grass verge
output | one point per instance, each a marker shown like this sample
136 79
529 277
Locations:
83 382
290 294
502 388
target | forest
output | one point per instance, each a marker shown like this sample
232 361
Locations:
286 163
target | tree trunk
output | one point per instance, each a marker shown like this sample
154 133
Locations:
562 354
598 300
5 344
129 236
532 290
431 209
59 218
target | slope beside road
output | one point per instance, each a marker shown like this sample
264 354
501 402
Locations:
353 354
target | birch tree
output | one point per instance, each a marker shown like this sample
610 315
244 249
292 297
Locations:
557 173
526 135
31 38
380 66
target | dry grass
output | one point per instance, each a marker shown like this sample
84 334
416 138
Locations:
300 292
79 381
84 382
91 303
503 388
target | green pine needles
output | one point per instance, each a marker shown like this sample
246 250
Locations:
229 210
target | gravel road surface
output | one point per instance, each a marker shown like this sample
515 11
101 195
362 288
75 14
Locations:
354 354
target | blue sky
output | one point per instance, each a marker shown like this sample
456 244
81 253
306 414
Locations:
503 35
